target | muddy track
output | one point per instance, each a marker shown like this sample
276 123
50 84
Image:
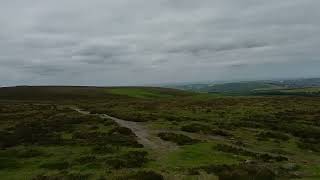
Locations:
144 135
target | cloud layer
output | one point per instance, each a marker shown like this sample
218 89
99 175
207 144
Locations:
124 42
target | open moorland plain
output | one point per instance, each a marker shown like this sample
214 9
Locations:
156 133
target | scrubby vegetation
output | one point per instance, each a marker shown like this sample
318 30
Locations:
261 137
267 135
242 172
246 152
205 129
50 138
177 138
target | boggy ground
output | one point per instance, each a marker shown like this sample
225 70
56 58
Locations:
157 133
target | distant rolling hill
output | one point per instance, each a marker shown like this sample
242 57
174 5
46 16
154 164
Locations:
269 87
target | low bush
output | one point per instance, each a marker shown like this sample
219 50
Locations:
122 130
102 139
85 159
57 165
196 128
63 176
78 176
240 172
205 129
30 153
132 159
8 139
219 132
309 146
8 163
245 173
116 163
244 152
108 122
122 140
135 158
280 151
266 135
146 175
104 149
178 138
34 132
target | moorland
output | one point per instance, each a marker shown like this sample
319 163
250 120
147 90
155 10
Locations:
52 132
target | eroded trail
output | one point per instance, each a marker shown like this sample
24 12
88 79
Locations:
144 136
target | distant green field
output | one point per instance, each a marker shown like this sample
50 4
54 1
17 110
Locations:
312 91
146 92
302 90
245 87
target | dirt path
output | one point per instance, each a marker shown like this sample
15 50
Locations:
144 135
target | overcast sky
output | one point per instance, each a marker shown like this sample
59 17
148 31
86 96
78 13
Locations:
134 42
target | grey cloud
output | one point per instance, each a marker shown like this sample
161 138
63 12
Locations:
123 42
198 49
103 54
43 70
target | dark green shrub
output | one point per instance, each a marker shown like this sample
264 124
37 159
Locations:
196 128
132 159
193 171
102 139
220 132
309 146
116 163
246 173
122 130
178 138
94 127
244 152
123 140
108 122
34 132
205 129
104 149
280 151
58 165
78 176
8 139
135 158
7 163
63 176
146 175
265 135
30 153
85 159
48 177
240 172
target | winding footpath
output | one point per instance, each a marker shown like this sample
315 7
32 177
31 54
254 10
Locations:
144 136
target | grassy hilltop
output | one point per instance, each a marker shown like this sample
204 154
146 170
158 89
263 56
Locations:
191 135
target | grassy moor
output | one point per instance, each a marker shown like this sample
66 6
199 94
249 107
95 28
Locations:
156 133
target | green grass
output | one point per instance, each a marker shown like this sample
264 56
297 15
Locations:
138 93
191 156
